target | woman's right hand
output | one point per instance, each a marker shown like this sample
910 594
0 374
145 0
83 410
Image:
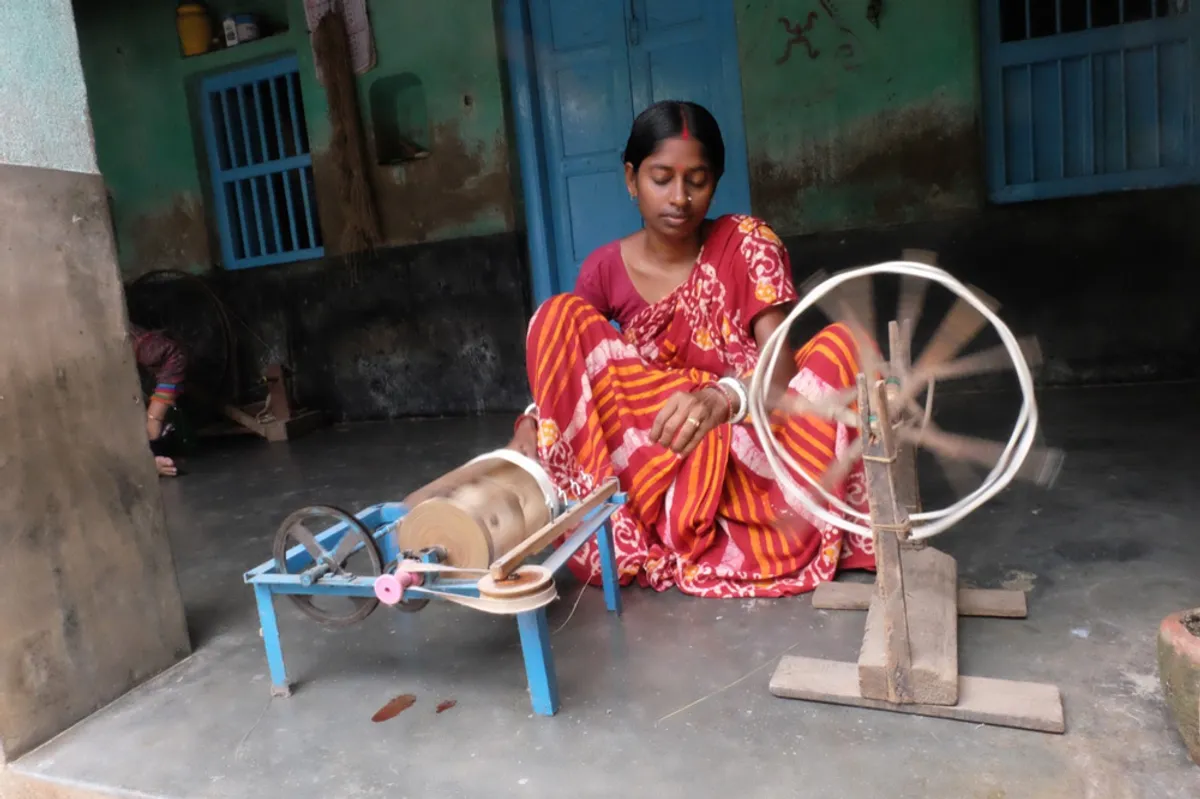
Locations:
687 417
524 438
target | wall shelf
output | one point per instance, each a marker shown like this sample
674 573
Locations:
233 56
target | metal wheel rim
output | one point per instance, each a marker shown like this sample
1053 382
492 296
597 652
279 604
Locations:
928 523
364 606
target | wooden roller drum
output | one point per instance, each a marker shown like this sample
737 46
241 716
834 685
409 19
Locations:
486 518
481 511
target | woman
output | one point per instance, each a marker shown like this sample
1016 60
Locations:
167 362
661 404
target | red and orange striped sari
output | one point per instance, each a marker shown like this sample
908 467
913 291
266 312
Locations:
712 523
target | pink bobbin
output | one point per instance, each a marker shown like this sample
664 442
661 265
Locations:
389 588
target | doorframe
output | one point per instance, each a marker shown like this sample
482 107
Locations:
535 186
530 136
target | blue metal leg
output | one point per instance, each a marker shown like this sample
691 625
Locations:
608 567
270 635
539 661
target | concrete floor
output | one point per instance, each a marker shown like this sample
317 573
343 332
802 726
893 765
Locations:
1105 555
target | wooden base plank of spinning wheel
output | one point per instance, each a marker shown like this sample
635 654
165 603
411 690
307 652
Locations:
1004 703
999 603
275 430
931 605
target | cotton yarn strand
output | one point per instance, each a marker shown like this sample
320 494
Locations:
926 523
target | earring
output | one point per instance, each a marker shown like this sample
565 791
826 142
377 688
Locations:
632 198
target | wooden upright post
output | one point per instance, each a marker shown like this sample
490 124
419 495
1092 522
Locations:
907 487
889 520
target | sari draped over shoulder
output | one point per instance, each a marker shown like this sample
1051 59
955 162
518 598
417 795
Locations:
715 523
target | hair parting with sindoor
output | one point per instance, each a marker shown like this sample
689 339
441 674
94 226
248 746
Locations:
674 119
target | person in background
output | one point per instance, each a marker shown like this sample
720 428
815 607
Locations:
166 361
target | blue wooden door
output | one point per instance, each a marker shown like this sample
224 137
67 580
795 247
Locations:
688 51
598 64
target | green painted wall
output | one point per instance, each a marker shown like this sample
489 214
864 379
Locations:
143 134
861 126
464 187
153 162
864 125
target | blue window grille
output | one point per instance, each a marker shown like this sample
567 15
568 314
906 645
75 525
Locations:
261 167
1089 96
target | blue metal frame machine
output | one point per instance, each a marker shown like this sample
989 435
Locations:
316 566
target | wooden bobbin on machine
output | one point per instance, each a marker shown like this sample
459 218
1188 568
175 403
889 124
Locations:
482 510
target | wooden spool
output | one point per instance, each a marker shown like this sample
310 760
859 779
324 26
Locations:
527 581
482 511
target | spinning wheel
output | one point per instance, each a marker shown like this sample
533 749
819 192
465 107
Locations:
848 298
190 312
909 656
353 555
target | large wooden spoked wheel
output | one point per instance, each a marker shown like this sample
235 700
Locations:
849 298
355 555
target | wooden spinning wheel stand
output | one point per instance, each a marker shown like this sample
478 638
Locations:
909 657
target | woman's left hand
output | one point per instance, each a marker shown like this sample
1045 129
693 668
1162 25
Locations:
165 466
687 418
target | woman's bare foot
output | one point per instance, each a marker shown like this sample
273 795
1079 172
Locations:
524 439
166 467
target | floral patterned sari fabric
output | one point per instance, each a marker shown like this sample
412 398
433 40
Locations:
715 523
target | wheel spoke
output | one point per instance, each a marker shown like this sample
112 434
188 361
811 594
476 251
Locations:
909 306
956 330
1041 465
856 301
995 359
830 408
838 470
305 537
345 548
960 475
853 305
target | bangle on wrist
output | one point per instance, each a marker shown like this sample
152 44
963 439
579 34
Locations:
530 413
743 401
725 395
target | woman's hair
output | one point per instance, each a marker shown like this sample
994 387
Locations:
671 119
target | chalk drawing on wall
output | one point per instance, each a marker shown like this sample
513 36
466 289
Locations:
845 52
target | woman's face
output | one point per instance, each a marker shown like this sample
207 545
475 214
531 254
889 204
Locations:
674 187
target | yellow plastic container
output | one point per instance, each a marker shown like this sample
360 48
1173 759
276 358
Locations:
195 28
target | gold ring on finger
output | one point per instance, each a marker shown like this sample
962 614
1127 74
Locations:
693 421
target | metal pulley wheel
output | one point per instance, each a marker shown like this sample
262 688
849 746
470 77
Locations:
355 555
